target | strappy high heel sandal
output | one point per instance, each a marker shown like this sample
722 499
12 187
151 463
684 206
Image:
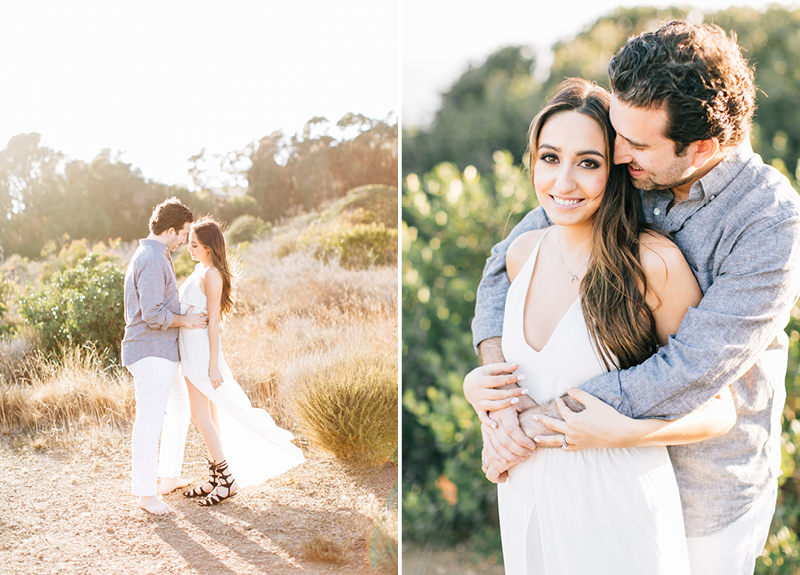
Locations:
204 490
224 489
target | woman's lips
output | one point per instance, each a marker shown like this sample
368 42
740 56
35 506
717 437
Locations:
565 202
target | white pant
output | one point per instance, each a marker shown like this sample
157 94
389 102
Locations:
162 401
734 550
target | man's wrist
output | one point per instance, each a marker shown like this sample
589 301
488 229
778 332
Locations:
491 351
549 409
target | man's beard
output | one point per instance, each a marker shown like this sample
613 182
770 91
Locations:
648 185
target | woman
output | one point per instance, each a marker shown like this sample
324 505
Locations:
591 293
245 446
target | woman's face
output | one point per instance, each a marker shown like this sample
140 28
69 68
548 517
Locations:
197 250
570 168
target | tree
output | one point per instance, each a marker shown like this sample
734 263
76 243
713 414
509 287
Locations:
31 193
269 183
487 109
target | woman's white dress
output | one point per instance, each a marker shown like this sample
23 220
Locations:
255 448
595 511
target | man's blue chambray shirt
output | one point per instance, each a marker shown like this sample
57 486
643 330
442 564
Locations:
151 300
740 232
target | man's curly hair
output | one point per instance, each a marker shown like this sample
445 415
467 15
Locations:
170 214
698 73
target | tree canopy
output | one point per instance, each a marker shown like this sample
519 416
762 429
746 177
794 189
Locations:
44 196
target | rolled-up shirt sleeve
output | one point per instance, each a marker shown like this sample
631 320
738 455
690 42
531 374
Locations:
151 288
490 301
737 319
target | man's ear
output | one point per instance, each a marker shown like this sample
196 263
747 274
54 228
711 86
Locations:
704 150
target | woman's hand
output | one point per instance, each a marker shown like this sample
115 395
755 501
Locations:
599 425
480 384
215 376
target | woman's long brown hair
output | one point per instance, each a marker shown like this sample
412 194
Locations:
209 234
620 322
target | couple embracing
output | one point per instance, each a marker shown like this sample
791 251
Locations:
630 329
172 347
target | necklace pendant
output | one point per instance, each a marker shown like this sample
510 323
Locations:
574 278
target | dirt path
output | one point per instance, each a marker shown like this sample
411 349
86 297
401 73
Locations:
420 560
70 511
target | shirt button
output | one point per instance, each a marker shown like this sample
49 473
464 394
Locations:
712 197
657 211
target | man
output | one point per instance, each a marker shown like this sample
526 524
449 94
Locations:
150 352
682 104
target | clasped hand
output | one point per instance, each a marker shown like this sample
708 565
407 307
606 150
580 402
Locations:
598 425
495 395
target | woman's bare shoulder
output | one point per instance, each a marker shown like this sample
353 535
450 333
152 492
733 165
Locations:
520 250
212 277
666 269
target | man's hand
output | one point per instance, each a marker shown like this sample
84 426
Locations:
191 320
530 421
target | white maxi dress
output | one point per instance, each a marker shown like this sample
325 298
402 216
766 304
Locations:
598 511
255 448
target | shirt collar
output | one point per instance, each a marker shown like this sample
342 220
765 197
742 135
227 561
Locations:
719 178
153 243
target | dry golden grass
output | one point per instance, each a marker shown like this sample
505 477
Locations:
77 391
15 357
324 549
346 399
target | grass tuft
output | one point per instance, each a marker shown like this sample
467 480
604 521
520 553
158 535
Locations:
326 550
345 400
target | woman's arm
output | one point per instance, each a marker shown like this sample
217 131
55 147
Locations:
211 286
600 425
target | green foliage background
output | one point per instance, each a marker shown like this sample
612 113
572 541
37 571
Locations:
461 196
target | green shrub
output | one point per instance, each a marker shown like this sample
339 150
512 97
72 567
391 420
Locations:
373 204
6 291
345 401
451 220
245 228
359 246
80 305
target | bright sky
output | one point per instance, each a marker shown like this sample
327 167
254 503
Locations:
441 38
160 80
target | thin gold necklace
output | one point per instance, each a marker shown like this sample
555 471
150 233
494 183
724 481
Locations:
560 253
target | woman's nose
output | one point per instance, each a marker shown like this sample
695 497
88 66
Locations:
565 180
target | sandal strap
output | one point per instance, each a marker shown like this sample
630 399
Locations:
212 481
225 481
